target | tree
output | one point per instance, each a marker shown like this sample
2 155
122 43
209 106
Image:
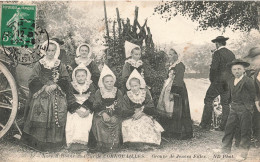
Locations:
237 15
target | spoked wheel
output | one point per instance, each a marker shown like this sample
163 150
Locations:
8 100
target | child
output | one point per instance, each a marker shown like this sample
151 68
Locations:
107 112
139 128
49 97
83 54
79 118
243 93
132 63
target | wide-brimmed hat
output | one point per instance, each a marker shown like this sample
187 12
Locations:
253 52
58 41
238 62
219 39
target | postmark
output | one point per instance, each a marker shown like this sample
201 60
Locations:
18 25
27 56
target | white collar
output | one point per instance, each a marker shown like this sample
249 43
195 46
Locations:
134 63
86 62
81 88
108 94
237 80
49 64
221 47
139 98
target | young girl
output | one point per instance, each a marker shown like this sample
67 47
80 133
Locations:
45 117
139 128
79 118
107 109
131 63
83 54
173 105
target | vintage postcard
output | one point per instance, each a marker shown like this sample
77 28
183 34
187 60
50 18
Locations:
129 80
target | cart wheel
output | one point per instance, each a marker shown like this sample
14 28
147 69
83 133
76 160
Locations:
8 100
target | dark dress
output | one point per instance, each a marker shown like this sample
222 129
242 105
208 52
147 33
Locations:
176 118
144 130
45 116
107 134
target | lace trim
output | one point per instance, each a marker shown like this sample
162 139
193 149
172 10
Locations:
80 61
134 63
80 88
81 98
47 65
139 99
106 94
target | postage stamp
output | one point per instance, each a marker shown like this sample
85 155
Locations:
18 25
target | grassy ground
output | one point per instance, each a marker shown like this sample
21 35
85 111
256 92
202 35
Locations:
200 148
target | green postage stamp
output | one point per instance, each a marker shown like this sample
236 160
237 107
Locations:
18 25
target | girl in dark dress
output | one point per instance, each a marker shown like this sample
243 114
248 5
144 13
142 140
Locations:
107 109
173 105
139 128
79 118
45 117
133 56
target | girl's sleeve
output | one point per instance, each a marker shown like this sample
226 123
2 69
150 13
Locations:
64 80
35 83
125 73
65 85
120 104
177 86
149 108
98 107
95 72
88 104
127 111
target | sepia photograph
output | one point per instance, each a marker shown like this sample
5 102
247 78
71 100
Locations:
129 80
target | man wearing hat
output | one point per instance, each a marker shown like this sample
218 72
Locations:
242 100
219 76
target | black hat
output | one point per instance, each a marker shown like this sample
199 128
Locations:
60 42
253 52
219 39
238 62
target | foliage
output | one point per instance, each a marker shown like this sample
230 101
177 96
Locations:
154 61
238 15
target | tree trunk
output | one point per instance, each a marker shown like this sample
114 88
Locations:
118 22
106 22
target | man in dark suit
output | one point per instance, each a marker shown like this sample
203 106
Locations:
242 99
219 76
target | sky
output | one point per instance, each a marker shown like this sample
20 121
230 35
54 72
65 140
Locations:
180 30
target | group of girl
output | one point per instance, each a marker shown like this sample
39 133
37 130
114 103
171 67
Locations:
90 111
